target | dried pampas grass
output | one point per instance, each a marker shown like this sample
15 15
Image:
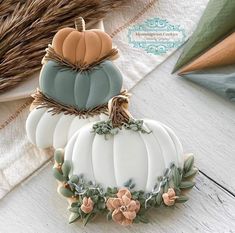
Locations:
29 28
8 6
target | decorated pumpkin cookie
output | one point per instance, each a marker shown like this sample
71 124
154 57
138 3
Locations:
45 129
77 69
122 167
76 45
76 82
83 90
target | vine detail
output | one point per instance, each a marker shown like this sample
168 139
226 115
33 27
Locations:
124 205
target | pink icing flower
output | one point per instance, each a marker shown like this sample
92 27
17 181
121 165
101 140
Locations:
87 205
169 197
123 209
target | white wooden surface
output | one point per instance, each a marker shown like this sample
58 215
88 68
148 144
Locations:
206 125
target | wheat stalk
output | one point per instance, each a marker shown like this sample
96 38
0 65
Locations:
26 32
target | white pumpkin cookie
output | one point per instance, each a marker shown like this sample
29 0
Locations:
122 167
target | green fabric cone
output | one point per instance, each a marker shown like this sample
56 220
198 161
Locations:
222 84
217 21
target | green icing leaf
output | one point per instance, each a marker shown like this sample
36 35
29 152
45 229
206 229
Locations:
136 220
166 187
101 205
187 184
66 167
58 175
188 164
59 156
181 199
95 198
176 177
74 209
106 128
143 219
109 216
73 217
128 183
74 179
65 192
88 217
74 204
191 173
114 131
159 199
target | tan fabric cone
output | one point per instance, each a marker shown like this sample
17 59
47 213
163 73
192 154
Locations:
220 55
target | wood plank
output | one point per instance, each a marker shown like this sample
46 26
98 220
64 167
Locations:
36 207
204 121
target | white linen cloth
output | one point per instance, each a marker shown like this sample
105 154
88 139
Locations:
136 63
18 158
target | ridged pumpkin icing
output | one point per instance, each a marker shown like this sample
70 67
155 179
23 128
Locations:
111 152
111 162
81 47
84 90
47 130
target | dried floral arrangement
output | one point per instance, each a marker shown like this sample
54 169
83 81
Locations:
122 205
27 27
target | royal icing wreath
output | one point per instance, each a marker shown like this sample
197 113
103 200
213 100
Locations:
122 167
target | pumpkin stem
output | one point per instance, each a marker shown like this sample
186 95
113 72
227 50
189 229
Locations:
118 110
80 24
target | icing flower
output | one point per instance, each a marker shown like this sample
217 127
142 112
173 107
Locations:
123 207
169 197
87 205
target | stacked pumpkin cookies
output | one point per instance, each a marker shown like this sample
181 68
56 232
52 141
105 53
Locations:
106 161
76 81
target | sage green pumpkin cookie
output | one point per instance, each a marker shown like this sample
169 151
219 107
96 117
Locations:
82 89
